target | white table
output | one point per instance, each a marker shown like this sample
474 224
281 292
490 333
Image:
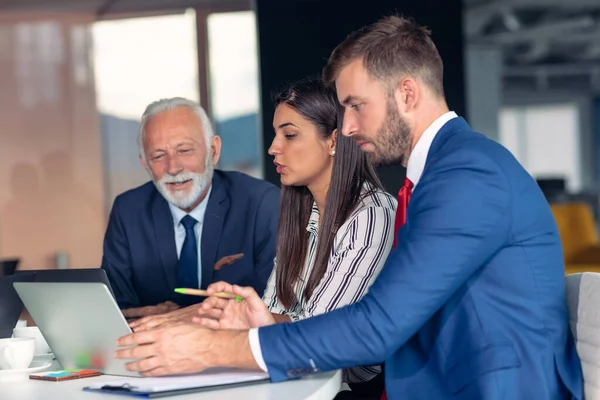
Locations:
316 387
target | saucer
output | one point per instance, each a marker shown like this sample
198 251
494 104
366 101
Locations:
7 375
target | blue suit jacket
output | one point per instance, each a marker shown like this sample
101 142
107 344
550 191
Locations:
470 305
140 255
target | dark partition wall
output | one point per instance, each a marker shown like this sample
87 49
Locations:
297 36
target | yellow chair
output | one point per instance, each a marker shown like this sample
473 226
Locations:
578 235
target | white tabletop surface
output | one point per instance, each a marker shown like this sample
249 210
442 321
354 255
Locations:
316 387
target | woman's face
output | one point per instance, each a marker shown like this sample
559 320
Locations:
301 157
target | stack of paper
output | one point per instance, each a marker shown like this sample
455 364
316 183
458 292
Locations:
164 386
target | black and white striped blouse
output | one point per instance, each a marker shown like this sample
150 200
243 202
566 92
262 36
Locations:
359 250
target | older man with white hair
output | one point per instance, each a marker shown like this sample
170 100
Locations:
192 224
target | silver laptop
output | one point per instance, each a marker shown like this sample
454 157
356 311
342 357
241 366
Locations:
80 321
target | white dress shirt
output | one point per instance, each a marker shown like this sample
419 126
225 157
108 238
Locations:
354 262
418 157
198 214
414 170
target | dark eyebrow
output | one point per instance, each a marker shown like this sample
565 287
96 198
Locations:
351 99
286 124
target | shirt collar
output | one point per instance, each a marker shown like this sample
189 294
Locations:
418 157
197 212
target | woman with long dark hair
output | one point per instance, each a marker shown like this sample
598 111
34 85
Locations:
335 224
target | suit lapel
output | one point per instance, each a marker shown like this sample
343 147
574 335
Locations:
214 218
165 238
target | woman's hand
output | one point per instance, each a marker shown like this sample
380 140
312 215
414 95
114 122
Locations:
218 313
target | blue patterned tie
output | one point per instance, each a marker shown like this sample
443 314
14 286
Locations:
188 259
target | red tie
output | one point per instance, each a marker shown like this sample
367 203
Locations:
403 198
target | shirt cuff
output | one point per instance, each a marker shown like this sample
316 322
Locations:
256 350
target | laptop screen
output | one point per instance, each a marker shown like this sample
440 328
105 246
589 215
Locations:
91 275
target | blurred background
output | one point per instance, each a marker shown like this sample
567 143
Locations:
76 75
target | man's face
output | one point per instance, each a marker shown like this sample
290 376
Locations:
177 158
371 116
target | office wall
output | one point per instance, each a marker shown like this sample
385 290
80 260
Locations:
297 36
51 180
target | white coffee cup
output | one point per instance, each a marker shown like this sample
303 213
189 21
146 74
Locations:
16 353
41 346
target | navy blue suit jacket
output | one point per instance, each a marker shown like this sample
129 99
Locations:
470 305
140 255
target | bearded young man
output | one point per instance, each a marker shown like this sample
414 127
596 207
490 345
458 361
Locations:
471 303
192 224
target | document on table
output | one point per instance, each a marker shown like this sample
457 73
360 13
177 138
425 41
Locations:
166 386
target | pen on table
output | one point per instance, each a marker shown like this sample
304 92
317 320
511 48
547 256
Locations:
200 292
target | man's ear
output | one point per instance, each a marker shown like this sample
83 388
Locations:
407 94
215 149
143 163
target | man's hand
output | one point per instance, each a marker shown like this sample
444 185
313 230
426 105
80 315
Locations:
218 313
182 315
227 260
185 349
140 312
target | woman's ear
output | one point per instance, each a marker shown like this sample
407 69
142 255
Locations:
332 142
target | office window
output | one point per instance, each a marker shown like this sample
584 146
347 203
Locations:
545 139
234 89
138 61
